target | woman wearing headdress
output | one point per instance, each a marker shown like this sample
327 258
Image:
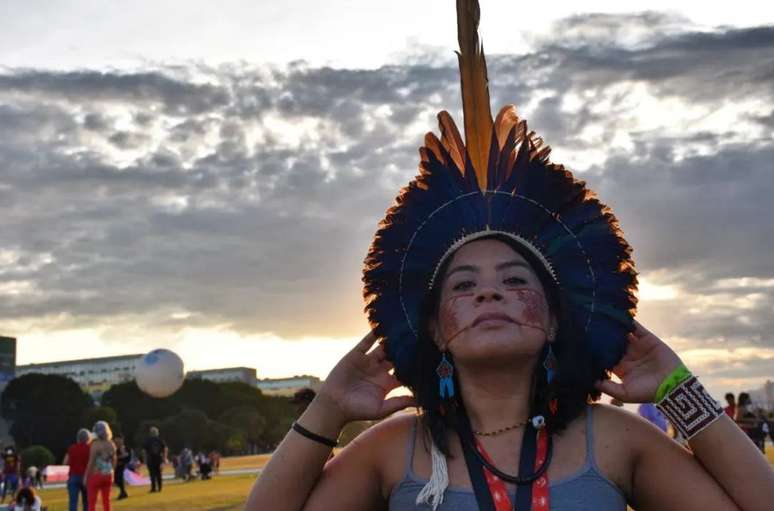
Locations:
502 292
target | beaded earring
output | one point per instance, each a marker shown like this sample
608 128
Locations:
549 363
445 371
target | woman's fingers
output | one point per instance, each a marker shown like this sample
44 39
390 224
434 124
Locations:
393 404
366 342
613 389
386 365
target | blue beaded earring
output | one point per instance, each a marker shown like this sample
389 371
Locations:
445 371
549 363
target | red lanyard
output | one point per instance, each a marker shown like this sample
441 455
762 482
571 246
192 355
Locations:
540 494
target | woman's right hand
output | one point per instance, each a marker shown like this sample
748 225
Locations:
357 386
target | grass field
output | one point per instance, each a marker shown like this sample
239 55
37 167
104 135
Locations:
223 493
226 493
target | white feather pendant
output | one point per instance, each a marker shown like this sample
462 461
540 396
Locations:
432 493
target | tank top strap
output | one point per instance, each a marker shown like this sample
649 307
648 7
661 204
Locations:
590 460
410 446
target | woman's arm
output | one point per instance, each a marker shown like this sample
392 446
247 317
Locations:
663 475
736 463
90 464
355 389
723 455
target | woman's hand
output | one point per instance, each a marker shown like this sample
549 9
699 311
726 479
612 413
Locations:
357 386
647 361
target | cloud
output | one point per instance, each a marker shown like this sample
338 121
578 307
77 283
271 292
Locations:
244 197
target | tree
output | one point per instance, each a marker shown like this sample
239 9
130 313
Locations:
248 420
134 407
102 413
37 455
44 409
136 410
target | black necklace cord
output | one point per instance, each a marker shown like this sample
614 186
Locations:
467 437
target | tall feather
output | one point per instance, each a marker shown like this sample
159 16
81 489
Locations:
475 89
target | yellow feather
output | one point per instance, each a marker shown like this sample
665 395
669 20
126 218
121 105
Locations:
475 89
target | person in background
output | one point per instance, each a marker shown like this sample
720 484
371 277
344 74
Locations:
34 477
651 413
749 421
26 500
11 471
155 456
215 461
186 464
99 470
40 476
77 458
731 408
122 459
204 464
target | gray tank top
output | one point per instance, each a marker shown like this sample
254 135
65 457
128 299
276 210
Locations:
585 490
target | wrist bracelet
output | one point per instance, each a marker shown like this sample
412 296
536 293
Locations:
298 428
690 408
675 378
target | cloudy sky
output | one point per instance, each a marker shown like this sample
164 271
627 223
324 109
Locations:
208 180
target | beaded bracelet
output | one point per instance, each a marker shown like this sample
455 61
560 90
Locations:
675 378
689 407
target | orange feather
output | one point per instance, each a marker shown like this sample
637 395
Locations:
475 89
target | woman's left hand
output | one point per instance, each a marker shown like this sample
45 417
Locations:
647 361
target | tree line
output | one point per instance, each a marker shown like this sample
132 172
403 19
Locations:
234 418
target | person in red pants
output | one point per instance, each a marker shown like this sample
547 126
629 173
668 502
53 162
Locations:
102 462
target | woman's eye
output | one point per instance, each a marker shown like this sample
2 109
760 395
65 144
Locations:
514 281
462 286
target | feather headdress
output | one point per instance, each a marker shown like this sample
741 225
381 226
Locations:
498 182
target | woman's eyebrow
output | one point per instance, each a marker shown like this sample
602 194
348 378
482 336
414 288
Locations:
475 269
463 267
511 264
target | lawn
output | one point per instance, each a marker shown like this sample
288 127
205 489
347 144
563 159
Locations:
226 493
223 493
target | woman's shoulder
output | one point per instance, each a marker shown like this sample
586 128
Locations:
385 444
617 421
390 432
620 438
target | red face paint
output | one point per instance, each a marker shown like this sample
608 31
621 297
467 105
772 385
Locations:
533 312
449 321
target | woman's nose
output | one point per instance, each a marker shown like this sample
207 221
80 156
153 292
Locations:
487 294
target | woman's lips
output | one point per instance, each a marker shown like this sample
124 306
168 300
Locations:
492 317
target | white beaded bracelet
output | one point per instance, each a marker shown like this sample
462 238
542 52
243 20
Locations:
690 408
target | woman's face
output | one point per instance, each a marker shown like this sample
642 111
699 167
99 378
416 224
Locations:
492 304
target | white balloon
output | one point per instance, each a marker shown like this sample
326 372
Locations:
160 373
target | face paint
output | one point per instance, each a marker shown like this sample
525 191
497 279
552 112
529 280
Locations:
534 311
449 322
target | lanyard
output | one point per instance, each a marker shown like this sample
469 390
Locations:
532 494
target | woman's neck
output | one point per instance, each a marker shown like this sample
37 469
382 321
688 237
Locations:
496 397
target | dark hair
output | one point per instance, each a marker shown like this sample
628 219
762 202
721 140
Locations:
25 496
729 396
744 399
572 386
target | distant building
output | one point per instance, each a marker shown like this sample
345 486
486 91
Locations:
229 374
94 375
287 386
97 375
7 360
